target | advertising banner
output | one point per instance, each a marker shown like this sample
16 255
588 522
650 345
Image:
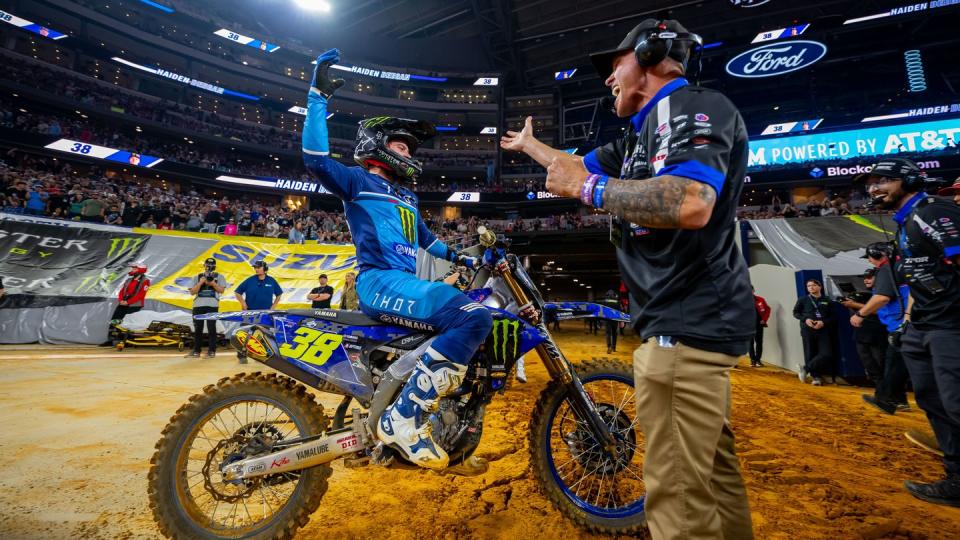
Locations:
296 267
50 265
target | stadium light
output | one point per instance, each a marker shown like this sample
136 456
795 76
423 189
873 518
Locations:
314 5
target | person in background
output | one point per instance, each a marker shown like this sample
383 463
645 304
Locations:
212 220
259 291
113 216
92 209
296 234
230 229
888 302
133 294
349 299
816 321
36 203
763 315
868 332
321 295
165 225
2 290
952 191
610 300
207 288
148 224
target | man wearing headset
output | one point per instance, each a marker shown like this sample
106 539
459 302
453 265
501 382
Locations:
672 185
928 242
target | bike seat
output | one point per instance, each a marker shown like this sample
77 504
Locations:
342 316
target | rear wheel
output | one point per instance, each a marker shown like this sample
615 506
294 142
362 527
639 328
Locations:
600 492
240 417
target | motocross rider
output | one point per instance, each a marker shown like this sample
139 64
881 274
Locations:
385 222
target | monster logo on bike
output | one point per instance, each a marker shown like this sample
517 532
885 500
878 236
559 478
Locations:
503 343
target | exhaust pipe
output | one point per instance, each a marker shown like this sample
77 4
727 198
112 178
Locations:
334 445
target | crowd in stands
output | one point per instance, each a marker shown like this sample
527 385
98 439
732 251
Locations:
851 203
41 187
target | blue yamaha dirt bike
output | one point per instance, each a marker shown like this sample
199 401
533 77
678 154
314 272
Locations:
250 456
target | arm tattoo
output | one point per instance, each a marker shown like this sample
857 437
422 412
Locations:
655 202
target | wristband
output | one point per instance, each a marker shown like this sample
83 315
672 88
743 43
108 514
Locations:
859 315
586 192
598 191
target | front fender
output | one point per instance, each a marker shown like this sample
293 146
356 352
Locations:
585 310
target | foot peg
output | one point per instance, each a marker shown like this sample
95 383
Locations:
472 466
383 455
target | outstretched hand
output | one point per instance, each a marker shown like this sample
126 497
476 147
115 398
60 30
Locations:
322 83
516 142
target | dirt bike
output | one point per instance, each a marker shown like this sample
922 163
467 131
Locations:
250 456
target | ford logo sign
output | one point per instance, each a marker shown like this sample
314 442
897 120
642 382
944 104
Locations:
776 59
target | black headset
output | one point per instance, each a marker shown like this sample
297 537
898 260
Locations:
914 181
879 250
656 44
259 264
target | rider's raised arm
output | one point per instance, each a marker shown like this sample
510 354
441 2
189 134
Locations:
336 177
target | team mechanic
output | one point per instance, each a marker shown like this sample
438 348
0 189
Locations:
672 184
387 228
928 240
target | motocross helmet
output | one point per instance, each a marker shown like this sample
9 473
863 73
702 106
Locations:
137 268
373 136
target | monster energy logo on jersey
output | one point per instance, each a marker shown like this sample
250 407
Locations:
408 220
504 340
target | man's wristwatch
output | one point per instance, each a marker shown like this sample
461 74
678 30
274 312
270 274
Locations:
858 314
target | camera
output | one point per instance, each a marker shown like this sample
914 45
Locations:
210 276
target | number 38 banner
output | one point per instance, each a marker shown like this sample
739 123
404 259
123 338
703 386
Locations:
296 267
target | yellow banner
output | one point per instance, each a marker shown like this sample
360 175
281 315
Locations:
296 267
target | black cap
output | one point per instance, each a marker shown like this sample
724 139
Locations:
869 272
889 168
210 260
260 263
603 61
323 276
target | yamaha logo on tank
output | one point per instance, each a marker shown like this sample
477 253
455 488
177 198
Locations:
776 59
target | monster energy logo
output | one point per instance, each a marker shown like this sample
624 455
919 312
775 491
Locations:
409 222
376 121
121 246
506 339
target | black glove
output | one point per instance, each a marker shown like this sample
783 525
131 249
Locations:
321 74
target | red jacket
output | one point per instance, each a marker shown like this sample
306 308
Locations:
763 309
134 291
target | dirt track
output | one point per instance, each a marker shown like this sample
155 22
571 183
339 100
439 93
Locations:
78 434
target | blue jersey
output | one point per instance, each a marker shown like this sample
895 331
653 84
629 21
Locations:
384 218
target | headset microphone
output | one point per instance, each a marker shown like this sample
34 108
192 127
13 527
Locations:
608 103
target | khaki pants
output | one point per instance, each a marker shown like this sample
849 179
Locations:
694 487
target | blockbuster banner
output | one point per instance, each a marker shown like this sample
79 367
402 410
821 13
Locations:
50 265
867 142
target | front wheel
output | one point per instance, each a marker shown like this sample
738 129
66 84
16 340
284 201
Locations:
600 492
240 417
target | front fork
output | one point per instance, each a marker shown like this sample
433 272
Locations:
561 370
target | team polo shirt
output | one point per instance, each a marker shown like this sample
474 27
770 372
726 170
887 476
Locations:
259 293
690 284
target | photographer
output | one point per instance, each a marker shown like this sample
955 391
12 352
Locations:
928 242
816 320
207 288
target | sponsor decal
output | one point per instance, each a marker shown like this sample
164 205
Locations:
703 124
662 127
701 140
256 468
312 451
408 221
680 126
680 117
700 117
400 321
403 249
347 442
776 59
325 313
312 346
702 131
279 462
860 169
503 343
